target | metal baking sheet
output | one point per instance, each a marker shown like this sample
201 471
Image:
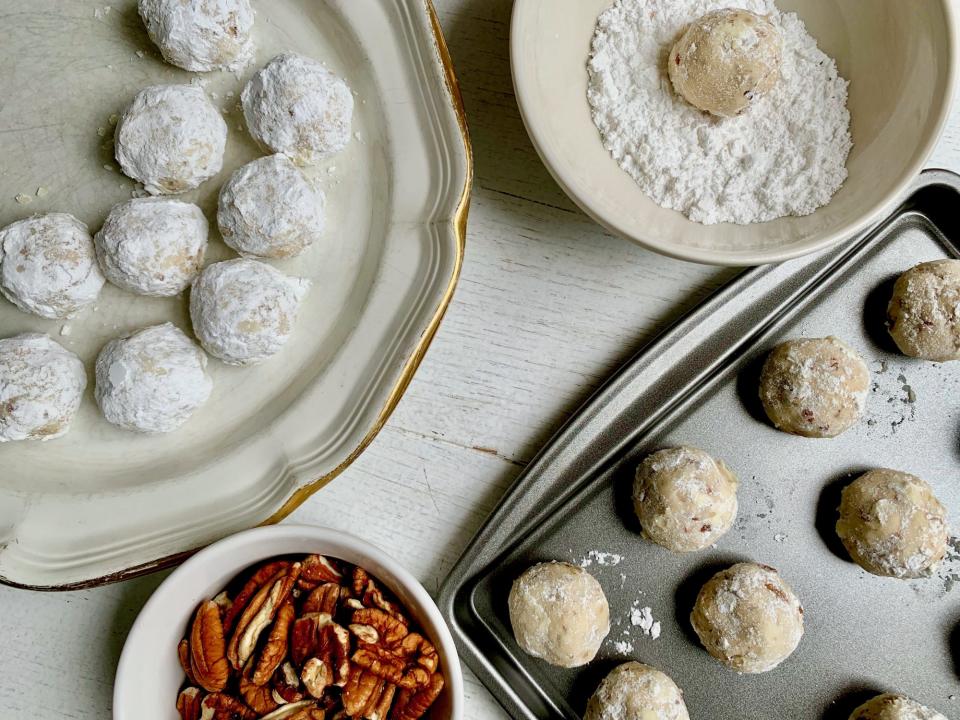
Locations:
697 385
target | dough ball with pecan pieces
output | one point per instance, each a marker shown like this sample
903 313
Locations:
726 60
559 613
814 387
894 707
924 312
634 691
748 618
685 499
201 35
892 524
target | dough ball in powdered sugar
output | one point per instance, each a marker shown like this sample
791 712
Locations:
725 60
171 139
153 380
892 524
297 107
244 311
634 691
268 208
924 312
48 266
559 613
894 707
748 618
201 35
814 387
685 499
152 246
41 385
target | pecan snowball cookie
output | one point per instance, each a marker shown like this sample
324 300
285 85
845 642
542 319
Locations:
894 707
201 35
892 524
243 311
726 60
151 381
634 691
685 500
559 613
748 618
41 385
297 107
170 138
48 266
924 312
152 246
814 387
268 208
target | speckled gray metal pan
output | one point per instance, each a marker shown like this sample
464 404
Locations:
697 385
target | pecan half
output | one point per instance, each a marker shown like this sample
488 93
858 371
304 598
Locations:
419 652
188 703
275 649
380 661
412 705
371 596
318 570
218 706
391 631
362 692
207 653
261 576
259 613
258 697
322 599
183 655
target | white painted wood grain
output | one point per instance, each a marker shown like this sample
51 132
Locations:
548 305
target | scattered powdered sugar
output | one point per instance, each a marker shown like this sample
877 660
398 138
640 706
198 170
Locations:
600 558
784 156
642 617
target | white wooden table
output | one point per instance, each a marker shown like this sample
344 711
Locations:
548 305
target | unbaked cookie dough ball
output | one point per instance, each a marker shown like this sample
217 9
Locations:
559 613
892 524
726 60
243 311
170 138
924 312
634 691
268 208
814 387
201 35
41 385
685 500
152 246
152 381
48 266
748 618
894 707
297 107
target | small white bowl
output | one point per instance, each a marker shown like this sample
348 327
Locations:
149 676
900 58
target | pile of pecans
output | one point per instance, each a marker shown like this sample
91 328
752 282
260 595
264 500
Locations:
308 639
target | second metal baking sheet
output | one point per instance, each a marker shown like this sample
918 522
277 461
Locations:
698 386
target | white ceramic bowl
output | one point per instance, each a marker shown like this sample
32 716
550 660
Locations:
149 676
900 58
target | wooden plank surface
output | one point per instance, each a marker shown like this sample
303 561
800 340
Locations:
548 305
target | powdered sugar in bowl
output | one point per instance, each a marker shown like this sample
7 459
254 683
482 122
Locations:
764 200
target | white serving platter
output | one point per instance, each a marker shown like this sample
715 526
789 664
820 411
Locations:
102 504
